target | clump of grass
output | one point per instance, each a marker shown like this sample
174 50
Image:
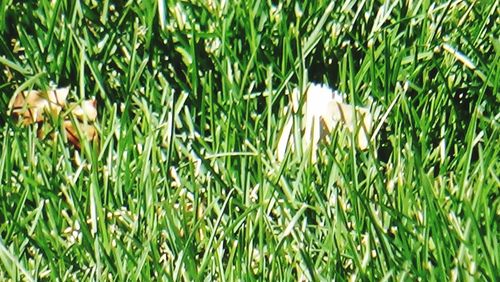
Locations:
184 184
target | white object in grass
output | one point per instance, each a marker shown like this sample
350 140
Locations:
322 112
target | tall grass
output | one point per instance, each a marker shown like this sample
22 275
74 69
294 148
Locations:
183 183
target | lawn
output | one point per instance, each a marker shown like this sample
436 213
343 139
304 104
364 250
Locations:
182 180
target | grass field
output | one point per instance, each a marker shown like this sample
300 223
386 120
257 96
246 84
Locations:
183 181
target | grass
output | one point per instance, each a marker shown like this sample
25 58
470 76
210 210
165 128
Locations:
183 183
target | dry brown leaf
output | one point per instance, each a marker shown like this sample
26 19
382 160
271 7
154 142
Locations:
32 105
86 111
85 114
88 131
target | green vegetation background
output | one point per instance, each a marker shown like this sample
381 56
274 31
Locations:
183 183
